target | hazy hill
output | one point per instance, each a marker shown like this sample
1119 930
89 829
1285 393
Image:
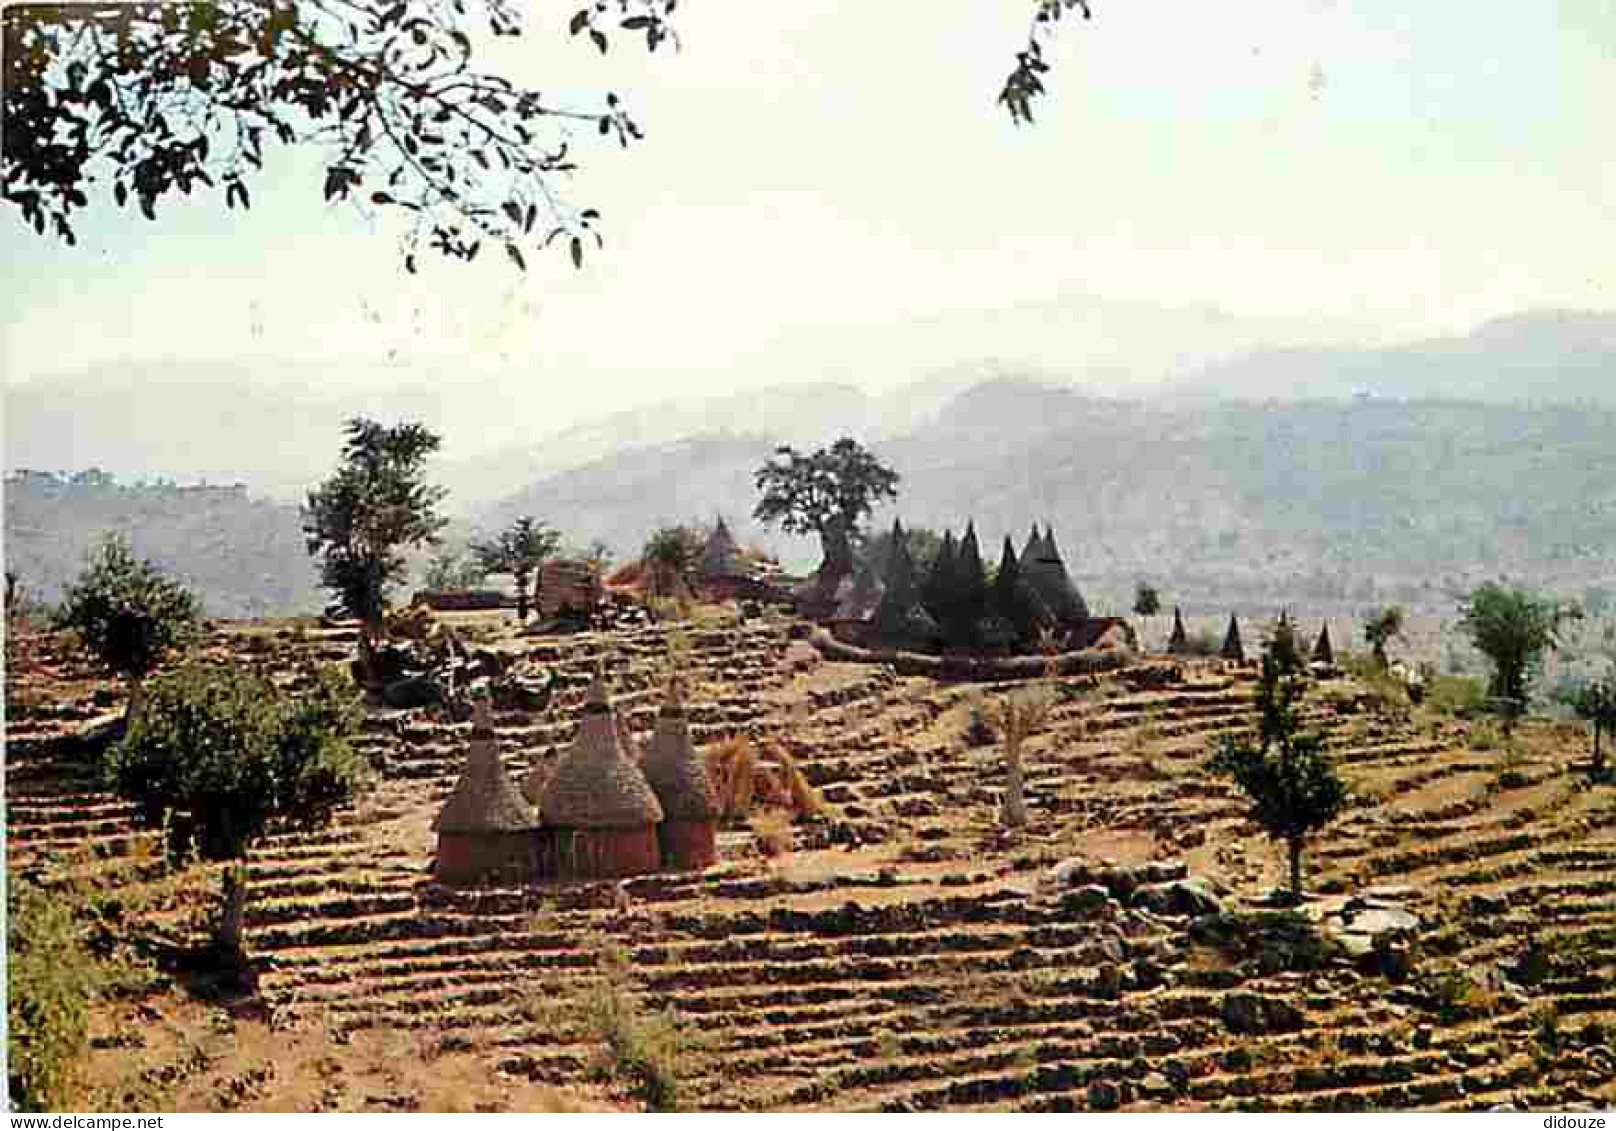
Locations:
244 556
1337 500
1326 495
1548 357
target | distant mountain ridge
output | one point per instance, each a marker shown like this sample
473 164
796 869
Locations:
1544 357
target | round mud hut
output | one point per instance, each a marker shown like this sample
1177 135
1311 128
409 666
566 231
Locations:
485 827
600 809
677 774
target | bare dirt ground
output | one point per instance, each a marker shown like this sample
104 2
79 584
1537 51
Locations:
906 953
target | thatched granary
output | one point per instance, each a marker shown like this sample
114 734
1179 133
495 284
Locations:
1179 642
677 775
1234 649
1044 569
1323 650
600 808
485 826
720 557
901 617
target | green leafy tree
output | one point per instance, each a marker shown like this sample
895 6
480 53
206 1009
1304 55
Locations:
1146 601
1513 628
127 613
1594 702
1292 784
1381 627
1285 647
829 492
670 558
448 571
377 504
518 550
162 100
217 754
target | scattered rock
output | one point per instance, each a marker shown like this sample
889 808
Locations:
1252 1014
412 691
1085 900
1103 1095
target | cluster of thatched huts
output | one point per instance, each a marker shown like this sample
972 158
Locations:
604 812
1030 604
1234 648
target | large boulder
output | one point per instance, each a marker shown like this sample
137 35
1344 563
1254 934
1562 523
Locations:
1253 1014
412 691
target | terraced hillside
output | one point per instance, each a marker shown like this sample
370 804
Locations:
905 953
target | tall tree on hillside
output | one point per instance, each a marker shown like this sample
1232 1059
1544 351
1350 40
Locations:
170 99
1595 703
670 558
1513 628
829 492
1146 601
519 550
377 504
1292 784
1381 627
128 614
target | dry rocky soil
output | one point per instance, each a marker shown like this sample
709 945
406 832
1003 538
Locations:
905 953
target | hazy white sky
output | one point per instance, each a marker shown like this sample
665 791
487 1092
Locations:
1414 168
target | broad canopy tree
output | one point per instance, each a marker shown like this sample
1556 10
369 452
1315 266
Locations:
1381 628
519 550
377 504
829 493
162 100
127 613
1513 628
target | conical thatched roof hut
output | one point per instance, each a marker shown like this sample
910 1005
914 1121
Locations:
1044 570
1233 648
677 775
720 557
602 809
901 618
1179 642
485 825
1323 650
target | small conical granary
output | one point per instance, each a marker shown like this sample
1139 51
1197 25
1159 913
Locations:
720 557
900 618
600 808
1045 570
1179 642
485 826
1323 650
677 775
1233 647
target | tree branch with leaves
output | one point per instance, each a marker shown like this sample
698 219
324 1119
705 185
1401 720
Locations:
170 99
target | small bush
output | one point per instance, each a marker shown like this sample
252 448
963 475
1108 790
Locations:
1461 696
646 1049
773 831
125 611
745 781
50 981
216 754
